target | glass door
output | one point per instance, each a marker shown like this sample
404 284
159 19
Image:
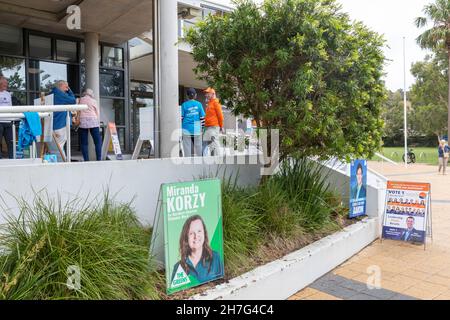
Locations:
141 97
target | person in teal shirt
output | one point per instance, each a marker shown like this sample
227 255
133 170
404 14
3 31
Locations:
197 257
193 118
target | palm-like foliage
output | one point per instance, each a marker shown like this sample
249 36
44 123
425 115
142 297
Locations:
438 36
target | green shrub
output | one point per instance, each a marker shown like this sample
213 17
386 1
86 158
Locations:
293 202
272 204
106 242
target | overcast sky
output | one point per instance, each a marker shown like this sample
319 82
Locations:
394 19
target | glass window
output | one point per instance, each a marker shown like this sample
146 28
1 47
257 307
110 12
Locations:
40 47
19 98
112 110
66 51
141 87
211 11
14 70
139 48
83 53
111 83
32 96
112 57
43 75
11 40
83 77
73 77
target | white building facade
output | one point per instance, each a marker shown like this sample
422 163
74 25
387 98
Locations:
129 52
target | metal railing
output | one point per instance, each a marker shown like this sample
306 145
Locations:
17 113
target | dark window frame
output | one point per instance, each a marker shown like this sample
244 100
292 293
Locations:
28 93
24 42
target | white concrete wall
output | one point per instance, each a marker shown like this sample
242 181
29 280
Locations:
139 180
283 278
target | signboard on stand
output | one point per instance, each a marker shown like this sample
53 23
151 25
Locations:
358 188
47 122
48 141
146 129
188 233
112 137
407 215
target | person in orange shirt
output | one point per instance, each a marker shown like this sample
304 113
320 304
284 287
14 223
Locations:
213 122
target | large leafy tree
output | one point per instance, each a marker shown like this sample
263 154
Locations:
438 36
393 115
429 95
300 66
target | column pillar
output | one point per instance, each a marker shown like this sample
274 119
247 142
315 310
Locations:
92 53
167 74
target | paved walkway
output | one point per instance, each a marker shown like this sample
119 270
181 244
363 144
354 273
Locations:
406 271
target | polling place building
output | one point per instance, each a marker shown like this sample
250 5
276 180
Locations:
130 52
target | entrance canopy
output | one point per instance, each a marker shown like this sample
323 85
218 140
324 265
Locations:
115 21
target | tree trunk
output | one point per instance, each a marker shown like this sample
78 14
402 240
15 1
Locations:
448 104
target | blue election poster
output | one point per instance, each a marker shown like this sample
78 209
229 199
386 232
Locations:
358 188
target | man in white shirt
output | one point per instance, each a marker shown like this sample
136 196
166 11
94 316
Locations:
6 124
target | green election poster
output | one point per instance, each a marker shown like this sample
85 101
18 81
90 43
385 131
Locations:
193 233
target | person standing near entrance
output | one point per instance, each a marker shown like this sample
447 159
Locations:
444 152
213 122
62 95
192 117
6 124
90 123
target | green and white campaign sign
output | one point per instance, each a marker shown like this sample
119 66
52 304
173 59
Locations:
193 235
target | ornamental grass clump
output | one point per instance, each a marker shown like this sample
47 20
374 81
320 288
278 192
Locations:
44 249
241 227
292 208
305 185
272 205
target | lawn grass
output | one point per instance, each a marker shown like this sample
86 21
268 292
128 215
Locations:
423 155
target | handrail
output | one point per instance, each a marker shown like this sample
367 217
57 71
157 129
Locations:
17 111
378 174
22 109
19 116
386 159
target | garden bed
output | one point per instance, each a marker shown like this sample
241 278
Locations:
286 212
274 250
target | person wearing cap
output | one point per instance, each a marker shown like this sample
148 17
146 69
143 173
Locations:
90 123
213 122
192 118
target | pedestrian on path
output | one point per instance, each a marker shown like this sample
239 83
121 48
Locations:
6 124
90 123
213 123
193 118
62 95
444 153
